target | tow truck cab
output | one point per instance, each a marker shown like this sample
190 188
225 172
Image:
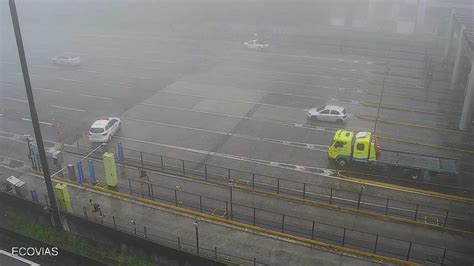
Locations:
348 146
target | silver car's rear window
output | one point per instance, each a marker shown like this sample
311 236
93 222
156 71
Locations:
97 130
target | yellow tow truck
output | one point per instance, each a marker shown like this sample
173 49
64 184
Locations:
349 147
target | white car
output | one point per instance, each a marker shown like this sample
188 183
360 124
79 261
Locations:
255 45
332 113
103 129
66 60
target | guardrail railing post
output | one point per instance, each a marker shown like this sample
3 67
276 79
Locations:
376 242
409 250
205 171
228 174
144 230
115 225
85 212
254 261
215 253
344 237
446 218
227 210
386 207
304 190
179 243
130 186
312 232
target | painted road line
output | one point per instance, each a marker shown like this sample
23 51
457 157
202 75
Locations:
6 84
268 140
14 99
375 105
209 217
67 108
118 85
72 80
47 90
424 145
41 122
389 122
96 97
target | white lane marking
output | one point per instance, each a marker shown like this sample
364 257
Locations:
270 140
21 74
6 84
276 122
67 108
50 67
1 114
94 96
18 100
73 80
118 85
48 90
41 122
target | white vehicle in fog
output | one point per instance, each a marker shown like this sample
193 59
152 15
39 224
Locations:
255 45
103 129
66 60
331 113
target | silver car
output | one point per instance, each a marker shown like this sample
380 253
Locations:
331 113
66 60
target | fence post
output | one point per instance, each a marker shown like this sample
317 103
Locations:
134 227
205 171
386 207
231 208
162 164
228 174
141 158
115 225
344 237
227 210
358 201
184 173
416 212
200 203
376 242
330 197
130 186
304 190
176 198
283 223
215 253
254 261
85 213
152 192
444 256
144 230
446 218
312 232
253 180
254 216
409 250
278 185
179 243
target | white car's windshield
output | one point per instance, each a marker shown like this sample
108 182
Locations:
96 130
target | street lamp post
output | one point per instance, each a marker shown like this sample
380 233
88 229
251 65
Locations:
53 207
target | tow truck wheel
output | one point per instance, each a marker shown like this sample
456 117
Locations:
341 162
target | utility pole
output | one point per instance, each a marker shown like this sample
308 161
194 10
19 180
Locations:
53 207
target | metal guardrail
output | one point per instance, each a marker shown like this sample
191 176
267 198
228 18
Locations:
192 246
334 196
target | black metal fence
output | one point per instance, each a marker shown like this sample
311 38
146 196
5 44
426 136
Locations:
310 229
360 200
130 227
